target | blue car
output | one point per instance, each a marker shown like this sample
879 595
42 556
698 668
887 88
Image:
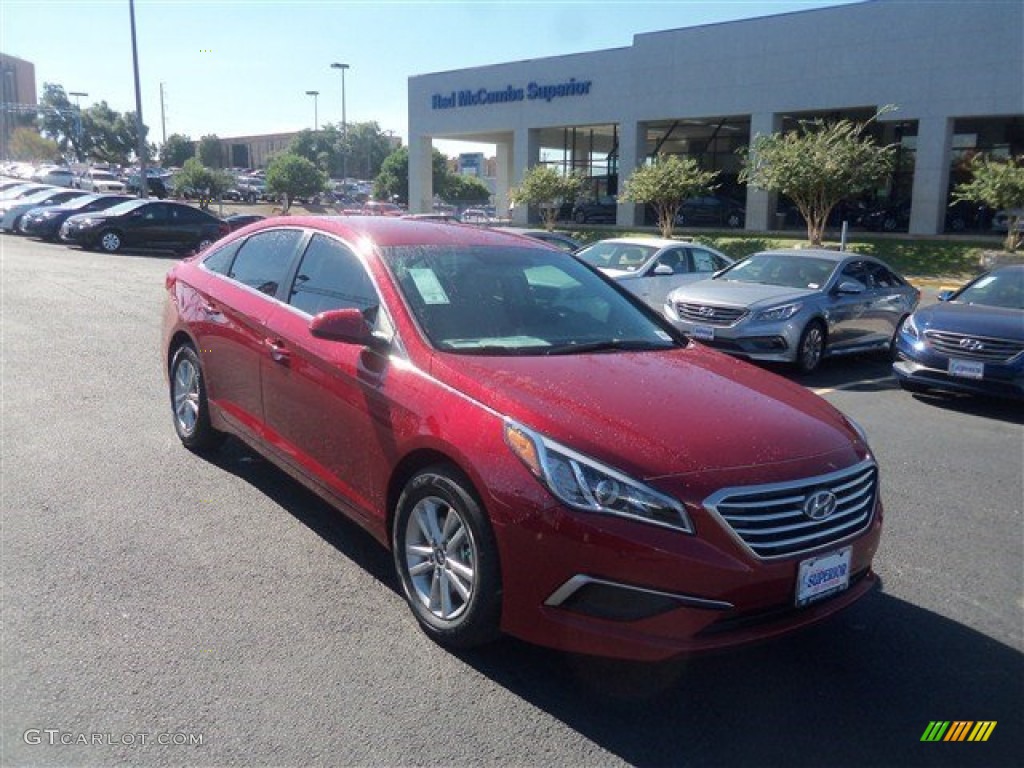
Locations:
972 341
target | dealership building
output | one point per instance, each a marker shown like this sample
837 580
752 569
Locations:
954 71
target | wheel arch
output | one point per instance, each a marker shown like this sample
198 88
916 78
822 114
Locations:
414 462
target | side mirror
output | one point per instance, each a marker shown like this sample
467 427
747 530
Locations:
663 269
848 286
346 325
945 295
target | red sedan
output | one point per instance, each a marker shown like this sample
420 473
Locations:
543 455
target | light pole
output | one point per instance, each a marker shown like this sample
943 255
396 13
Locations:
78 122
344 121
316 118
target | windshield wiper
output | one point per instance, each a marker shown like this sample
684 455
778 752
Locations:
607 345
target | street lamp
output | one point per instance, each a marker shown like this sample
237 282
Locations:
344 121
316 119
78 121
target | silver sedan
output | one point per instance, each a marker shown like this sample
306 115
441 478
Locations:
795 307
650 267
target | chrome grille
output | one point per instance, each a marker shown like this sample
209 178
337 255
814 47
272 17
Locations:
985 348
770 519
707 314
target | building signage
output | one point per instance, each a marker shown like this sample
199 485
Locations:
533 91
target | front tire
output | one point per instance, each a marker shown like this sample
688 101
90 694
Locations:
189 406
811 348
446 559
110 241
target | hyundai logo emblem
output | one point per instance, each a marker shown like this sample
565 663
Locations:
972 345
706 311
820 505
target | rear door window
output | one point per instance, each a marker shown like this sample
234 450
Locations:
264 259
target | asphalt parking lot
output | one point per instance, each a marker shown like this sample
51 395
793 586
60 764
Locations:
162 609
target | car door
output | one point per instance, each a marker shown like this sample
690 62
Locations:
848 311
233 296
326 402
670 269
147 225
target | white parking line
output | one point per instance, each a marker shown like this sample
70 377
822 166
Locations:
851 385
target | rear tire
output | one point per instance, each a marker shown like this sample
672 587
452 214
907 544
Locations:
189 407
446 559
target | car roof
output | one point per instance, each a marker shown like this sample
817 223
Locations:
656 242
389 231
816 253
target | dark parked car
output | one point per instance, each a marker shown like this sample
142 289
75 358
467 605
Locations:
971 341
162 224
12 211
711 211
541 455
46 222
601 210
239 220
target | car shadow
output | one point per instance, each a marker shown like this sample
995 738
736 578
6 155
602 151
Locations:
996 409
857 690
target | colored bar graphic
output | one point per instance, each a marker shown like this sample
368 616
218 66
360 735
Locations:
982 730
958 730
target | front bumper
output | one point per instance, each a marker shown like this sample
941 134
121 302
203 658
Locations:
609 587
751 339
919 365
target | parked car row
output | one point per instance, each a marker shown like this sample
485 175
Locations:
801 307
107 221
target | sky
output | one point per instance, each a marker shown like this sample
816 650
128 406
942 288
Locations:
242 67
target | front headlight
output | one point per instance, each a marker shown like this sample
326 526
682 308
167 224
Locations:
909 327
777 314
589 486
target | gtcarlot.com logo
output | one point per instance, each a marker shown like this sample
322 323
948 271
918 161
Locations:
958 730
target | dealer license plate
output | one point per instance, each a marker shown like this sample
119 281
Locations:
967 369
703 333
822 576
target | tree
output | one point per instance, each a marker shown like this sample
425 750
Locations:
393 180
817 166
27 145
60 120
292 176
176 150
207 183
999 184
665 184
209 151
467 190
546 188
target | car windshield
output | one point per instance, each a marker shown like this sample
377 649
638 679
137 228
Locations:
103 176
999 289
627 257
782 269
516 300
121 208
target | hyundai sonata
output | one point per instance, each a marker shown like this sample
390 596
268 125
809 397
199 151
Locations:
542 455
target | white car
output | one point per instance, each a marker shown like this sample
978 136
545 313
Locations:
58 177
651 267
100 181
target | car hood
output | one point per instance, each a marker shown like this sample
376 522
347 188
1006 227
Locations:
972 319
657 413
738 294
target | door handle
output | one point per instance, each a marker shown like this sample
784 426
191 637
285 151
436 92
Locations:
278 352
